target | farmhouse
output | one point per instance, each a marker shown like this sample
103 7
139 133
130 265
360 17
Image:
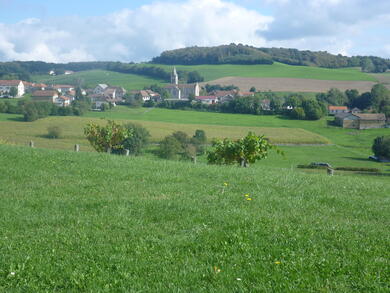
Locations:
181 91
63 101
100 88
360 121
333 110
6 85
209 100
63 88
45 96
224 96
147 95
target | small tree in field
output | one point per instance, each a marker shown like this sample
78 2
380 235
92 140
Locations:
381 146
244 151
109 137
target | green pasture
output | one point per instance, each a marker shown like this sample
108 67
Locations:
212 72
88 222
91 78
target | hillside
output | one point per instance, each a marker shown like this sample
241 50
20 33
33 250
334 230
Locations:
87 221
91 78
241 54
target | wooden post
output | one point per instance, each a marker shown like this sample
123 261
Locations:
76 147
31 144
109 150
127 152
193 159
330 171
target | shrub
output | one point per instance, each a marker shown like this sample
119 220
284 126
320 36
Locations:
109 137
138 140
54 132
170 148
381 146
244 151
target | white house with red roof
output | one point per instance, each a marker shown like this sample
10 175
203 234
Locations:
209 100
6 85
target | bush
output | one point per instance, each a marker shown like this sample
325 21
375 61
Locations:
381 146
138 140
244 151
109 137
170 148
54 132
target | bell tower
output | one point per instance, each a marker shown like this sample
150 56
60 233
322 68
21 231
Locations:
174 77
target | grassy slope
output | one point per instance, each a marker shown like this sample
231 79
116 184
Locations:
93 77
212 72
90 222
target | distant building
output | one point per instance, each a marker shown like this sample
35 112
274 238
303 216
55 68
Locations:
63 101
181 91
266 105
67 72
63 88
100 88
333 110
208 100
6 85
45 96
360 121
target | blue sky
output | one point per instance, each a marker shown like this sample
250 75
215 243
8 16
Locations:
63 31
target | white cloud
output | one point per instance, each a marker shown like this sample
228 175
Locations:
132 35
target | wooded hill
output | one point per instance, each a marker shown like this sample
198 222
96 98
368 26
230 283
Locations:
225 54
241 54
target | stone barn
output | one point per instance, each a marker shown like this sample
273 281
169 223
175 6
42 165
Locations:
360 120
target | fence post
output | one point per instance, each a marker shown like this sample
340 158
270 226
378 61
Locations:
76 147
330 171
108 150
127 152
31 144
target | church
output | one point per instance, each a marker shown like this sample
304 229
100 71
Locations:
181 91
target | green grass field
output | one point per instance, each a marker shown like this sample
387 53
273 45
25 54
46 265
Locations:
88 222
91 78
346 147
212 72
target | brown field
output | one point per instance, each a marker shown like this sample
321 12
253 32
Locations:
292 84
383 78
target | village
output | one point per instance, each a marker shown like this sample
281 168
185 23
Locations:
105 96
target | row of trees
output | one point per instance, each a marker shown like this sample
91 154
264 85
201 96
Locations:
116 138
240 54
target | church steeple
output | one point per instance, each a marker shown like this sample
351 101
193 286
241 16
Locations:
174 77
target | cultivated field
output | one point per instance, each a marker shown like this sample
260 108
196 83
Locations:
91 78
277 70
383 78
88 222
292 84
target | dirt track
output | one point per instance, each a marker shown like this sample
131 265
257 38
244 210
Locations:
292 84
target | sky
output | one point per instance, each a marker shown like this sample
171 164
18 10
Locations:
135 31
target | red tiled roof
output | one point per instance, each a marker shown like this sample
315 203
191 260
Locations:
10 82
206 98
337 107
44 93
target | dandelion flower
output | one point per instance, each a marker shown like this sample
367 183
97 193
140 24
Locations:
248 198
225 183
217 270
277 262
247 195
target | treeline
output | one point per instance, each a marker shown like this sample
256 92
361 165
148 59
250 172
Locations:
32 111
240 54
225 54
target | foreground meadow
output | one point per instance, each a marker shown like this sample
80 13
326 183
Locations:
88 222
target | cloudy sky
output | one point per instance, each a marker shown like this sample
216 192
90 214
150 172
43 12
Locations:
134 30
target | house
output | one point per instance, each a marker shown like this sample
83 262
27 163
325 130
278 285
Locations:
266 105
63 88
224 96
45 96
356 110
333 110
63 101
7 85
245 94
100 88
181 91
52 72
209 100
360 121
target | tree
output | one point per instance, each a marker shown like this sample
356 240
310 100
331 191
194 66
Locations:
313 109
252 89
198 141
138 140
13 92
170 148
244 151
298 113
380 97
381 146
352 96
194 76
107 138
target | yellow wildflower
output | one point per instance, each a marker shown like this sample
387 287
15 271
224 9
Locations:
277 262
225 183
247 195
248 198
